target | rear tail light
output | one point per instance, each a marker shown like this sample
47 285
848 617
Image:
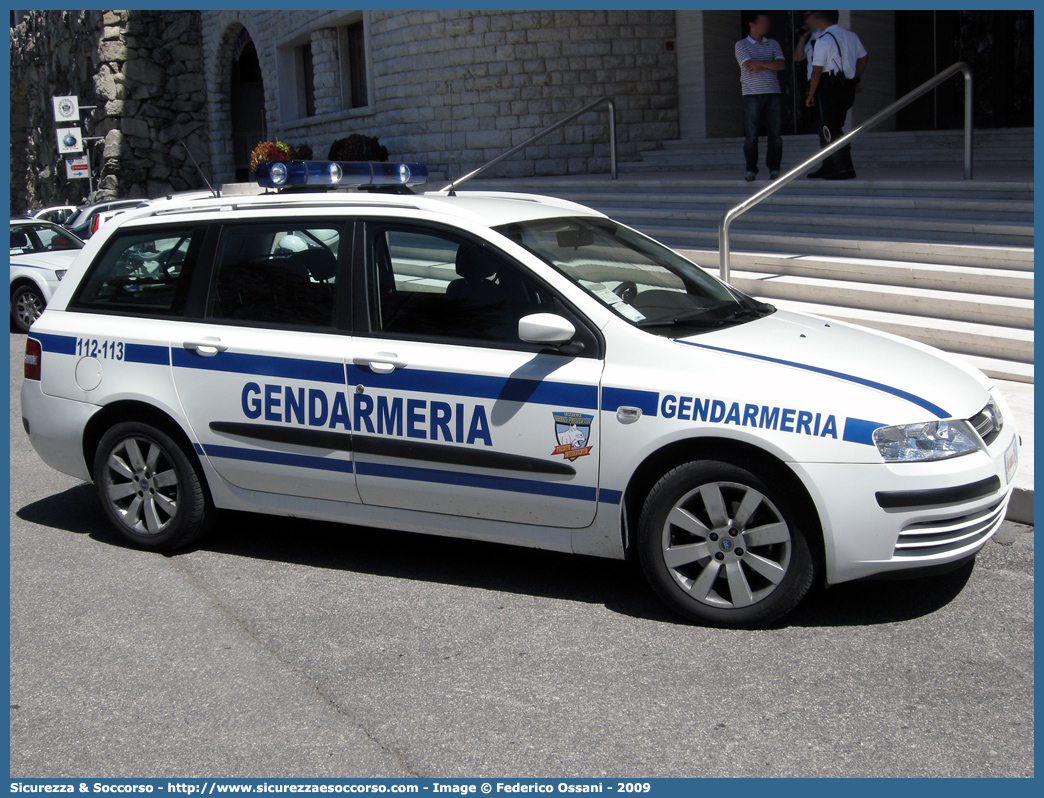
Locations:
33 353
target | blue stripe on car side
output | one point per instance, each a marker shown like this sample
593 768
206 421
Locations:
614 398
55 344
145 353
610 496
262 365
133 353
277 458
558 489
478 386
858 430
917 400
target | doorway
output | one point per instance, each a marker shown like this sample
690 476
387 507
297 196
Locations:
997 45
248 105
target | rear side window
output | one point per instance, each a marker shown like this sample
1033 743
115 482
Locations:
276 274
143 272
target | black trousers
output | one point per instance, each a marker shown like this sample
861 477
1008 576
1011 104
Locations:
834 97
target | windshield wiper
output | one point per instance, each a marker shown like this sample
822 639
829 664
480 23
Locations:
709 323
683 322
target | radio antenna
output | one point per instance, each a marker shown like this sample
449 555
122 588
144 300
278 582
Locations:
200 171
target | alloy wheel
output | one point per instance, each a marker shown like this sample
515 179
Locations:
141 485
726 545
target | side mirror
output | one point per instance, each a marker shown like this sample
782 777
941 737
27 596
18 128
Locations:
546 328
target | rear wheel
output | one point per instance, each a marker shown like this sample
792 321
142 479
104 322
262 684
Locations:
723 548
150 488
27 303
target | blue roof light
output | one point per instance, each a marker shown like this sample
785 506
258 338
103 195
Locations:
286 174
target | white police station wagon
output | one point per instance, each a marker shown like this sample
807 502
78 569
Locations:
502 367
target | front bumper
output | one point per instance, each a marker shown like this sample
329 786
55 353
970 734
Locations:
55 428
882 518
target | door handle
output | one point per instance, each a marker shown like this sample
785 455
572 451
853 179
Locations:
381 363
208 347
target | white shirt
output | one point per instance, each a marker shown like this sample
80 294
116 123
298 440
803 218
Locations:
810 46
826 54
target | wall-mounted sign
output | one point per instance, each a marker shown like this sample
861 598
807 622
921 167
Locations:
67 108
69 139
78 167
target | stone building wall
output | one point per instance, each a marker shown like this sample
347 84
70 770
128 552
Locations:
455 88
143 71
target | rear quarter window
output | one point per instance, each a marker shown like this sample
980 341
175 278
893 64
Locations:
142 272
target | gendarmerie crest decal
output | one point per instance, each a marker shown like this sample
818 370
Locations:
573 431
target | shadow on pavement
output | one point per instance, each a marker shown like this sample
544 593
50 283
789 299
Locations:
619 586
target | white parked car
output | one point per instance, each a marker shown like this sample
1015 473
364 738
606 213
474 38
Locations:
57 214
40 255
509 368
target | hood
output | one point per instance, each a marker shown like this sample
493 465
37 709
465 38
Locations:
933 383
47 260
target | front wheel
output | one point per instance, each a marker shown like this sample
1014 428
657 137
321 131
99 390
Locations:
722 548
151 489
27 303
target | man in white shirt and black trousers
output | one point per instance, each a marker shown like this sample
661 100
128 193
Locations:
838 61
760 58
806 44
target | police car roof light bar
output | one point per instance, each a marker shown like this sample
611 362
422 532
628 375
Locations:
332 174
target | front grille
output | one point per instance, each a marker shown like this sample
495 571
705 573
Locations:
987 423
925 538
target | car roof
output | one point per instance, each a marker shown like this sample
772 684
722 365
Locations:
486 208
53 208
33 221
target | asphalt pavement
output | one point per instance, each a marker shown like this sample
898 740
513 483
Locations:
280 647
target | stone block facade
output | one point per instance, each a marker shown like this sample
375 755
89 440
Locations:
143 72
455 88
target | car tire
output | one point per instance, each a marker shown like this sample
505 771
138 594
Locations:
27 303
722 548
151 488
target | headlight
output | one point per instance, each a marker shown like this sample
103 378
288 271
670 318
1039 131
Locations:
60 273
935 440
998 417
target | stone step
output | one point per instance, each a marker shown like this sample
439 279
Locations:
1017 211
794 155
1002 369
938 277
933 229
861 156
735 164
962 337
898 150
926 302
999 137
838 244
736 186
873 149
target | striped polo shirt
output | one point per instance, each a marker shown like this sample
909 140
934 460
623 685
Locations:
764 81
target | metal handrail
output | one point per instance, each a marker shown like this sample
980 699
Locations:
880 116
560 123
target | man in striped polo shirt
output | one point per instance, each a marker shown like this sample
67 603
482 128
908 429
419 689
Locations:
760 58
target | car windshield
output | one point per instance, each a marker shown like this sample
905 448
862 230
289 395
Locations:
642 281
